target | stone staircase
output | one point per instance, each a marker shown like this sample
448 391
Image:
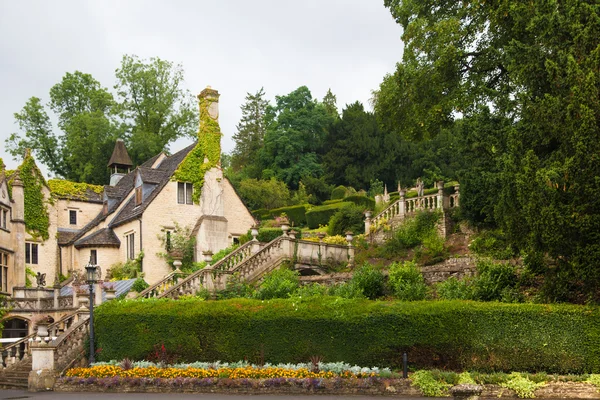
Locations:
16 377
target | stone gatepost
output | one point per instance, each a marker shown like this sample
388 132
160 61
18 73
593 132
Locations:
42 376
440 194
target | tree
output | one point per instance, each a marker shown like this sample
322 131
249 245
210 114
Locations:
534 67
154 111
330 103
156 108
250 132
296 129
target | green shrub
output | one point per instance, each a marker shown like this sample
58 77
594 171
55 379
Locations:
454 289
432 250
493 280
366 203
347 290
332 201
411 234
139 285
235 288
407 282
295 214
347 219
265 235
523 386
219 255
310 290
458 335
369 281
262 213
428 385
492 243
278 284
320 215
339 192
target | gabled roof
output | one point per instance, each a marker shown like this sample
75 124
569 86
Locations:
102 238
153 176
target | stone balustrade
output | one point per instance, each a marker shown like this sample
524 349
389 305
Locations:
162 286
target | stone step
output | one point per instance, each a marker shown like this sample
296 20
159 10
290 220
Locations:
13 384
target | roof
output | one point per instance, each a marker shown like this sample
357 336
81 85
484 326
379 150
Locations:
120 157
150 175
65 235
102 238
122 287
167 167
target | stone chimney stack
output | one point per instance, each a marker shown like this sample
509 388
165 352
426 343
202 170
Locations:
209 103
18 221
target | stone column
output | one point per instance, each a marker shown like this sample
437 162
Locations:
440 194
56 294
98 293
349 237
402 204
42 376
368 215
18 220
456 190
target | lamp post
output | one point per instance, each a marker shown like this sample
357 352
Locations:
90 270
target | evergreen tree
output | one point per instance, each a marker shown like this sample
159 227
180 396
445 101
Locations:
250 134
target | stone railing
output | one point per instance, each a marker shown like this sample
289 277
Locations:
162 286
193 282
70 344
403 207
261 262
20 349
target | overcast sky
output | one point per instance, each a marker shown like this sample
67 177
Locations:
235 46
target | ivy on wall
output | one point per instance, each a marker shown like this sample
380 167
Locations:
74 190
36 213
205 155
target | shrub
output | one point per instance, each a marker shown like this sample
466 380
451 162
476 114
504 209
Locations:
493 280
366 203
523 386
311 289
428 385
320 215
369 281
432 250
454 289
127 270
139 285
459 335
492 243
265 235
219 255
411 233
280 283
347 219
407 282
347 290
269 194
295 214
235 288
339 192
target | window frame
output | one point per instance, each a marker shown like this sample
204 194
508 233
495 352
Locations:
72 217
185 192
130 249
94 257
4 214
3 271
138 196
32 257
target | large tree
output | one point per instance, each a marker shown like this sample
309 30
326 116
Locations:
533 67
250 134
153 111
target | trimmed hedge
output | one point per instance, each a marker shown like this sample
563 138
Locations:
320 215
444 334
339 192
296 214
364 201
262 214
332 201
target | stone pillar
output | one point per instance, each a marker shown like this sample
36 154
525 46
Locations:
440 194
98 293
402 204
368 215
349 237
42 376
56 294
18 220
457 191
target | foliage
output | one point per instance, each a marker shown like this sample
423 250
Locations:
265 235
154 106
311 289
236 287
365 202
269 194
494 280
219 255
375 187
317 189
320 215
349 218
179 243
523 386
369 281
491 243
207 151
250 133
66 189
139 285
450 334
406 281
29 274
411 233
295 214
128 270
339 192
428 385
455 289
280 283
433 249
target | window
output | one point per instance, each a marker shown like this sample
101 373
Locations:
4 272
3 218
73 217
130 240
184 193
93 257
31 253
138 195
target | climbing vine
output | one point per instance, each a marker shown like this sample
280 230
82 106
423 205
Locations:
74 190
205 155
36 213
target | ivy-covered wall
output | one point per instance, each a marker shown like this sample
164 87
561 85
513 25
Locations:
205 155
66 189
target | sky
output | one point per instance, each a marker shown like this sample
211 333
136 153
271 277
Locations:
234 46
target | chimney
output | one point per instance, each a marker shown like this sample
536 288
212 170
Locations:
18 221
209 103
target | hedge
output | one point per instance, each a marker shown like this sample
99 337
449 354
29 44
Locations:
458 335
367 202
262 214
332 201
320 215
339 192
296 214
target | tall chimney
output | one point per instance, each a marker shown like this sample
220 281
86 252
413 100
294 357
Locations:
209 103
209 134
18 221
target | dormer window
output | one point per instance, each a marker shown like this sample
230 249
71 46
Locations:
184 193
138 195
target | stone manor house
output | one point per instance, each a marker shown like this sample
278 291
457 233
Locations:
129 216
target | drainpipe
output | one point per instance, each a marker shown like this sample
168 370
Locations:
141 248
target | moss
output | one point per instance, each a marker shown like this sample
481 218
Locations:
37 220
74 190
193 167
